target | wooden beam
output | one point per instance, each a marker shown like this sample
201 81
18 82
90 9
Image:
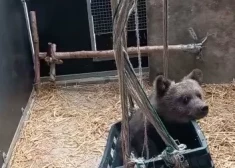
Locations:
130 50
36 49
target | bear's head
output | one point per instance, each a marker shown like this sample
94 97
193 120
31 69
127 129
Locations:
180 102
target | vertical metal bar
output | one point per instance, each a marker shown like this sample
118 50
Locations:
28 27
36 49
91 26
165 38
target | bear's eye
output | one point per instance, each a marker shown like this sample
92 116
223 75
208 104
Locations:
186 99
199 95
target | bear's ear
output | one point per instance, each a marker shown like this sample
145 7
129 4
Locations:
161 85
196 75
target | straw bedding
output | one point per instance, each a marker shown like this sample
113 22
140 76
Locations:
68 126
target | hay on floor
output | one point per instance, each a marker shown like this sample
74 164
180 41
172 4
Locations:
68 127
219 126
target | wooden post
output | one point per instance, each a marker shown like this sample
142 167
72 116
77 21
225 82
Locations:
53 64
36 49
51 60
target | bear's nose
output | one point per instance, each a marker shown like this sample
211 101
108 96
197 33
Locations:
204 109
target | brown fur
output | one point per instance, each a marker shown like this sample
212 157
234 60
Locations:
174 102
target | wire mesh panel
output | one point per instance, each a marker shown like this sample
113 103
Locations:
141 15
102 16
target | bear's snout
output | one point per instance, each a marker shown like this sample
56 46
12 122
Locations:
204 110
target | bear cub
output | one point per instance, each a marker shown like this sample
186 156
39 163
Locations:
175 103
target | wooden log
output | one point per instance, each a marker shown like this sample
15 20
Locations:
36 49
51 54
131 50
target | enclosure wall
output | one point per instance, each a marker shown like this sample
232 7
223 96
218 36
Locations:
65 23
211 16
16 69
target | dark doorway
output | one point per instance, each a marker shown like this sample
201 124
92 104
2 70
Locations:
65 23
